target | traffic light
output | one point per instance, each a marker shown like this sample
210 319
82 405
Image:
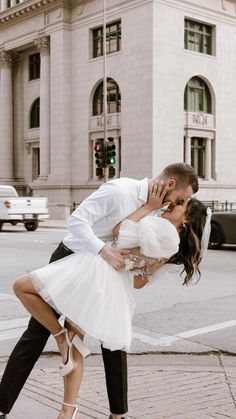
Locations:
99 172
112 172
111 156
99 157
105 157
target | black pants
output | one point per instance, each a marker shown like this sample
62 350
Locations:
29 348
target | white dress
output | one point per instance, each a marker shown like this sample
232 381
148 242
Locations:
94 297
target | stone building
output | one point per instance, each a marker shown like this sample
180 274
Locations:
171 68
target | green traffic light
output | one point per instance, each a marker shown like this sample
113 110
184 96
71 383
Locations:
111 160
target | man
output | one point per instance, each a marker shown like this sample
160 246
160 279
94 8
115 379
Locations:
90 227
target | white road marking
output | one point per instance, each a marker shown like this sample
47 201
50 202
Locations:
11 329
149 338
63 230
8 297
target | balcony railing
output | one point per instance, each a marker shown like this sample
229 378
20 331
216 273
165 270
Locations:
217 206
199 120
97 122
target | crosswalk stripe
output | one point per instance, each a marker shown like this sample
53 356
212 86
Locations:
11 329
155 340
8 297
11 334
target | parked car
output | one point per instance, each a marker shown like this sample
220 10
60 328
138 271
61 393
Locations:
223 229
26 210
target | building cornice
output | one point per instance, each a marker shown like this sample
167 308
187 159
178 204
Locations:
112 11
208 12
29 7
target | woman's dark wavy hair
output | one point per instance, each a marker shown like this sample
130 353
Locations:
189 253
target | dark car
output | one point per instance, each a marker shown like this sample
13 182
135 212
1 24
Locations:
223 229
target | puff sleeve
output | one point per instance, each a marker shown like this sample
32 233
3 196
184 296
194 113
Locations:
156 236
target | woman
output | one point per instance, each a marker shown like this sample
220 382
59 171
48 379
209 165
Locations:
96 299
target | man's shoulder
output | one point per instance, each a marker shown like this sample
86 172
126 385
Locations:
125 187
123 181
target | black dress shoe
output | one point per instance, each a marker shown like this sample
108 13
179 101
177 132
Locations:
123 417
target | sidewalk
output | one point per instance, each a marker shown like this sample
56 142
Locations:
160 387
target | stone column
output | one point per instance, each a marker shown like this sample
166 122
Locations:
6 117
42 44
208 159
13 3
188 149
18 117
3 5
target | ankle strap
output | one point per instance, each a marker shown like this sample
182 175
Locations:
70 405
63 330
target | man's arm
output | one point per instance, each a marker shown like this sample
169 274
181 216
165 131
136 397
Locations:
94 208
156 194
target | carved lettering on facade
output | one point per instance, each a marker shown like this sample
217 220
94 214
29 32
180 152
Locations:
34 24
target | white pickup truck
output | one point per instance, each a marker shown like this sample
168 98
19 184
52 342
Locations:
15 209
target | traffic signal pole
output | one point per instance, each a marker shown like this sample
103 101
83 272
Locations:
105 167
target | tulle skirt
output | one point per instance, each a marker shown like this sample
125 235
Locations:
91 295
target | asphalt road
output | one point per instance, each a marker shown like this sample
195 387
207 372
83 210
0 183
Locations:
170 318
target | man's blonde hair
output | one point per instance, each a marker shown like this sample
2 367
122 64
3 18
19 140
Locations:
183 173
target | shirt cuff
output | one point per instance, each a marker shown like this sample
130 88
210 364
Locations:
94 245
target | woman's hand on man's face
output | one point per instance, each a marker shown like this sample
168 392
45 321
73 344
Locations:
156 194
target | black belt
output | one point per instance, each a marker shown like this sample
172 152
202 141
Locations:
65 248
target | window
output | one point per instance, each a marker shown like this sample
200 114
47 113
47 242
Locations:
35 114
113 98
34 66
113 39
198 155
197 97
198 37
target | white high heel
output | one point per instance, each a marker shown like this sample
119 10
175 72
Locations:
72 405
68 367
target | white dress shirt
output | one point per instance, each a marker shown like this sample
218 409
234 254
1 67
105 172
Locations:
90 225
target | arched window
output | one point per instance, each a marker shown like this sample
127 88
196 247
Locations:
197 97
113 98
35 114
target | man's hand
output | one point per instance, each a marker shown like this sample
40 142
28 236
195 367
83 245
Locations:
115 257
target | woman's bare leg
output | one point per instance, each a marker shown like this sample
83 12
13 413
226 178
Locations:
72 381
40 310
35 305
